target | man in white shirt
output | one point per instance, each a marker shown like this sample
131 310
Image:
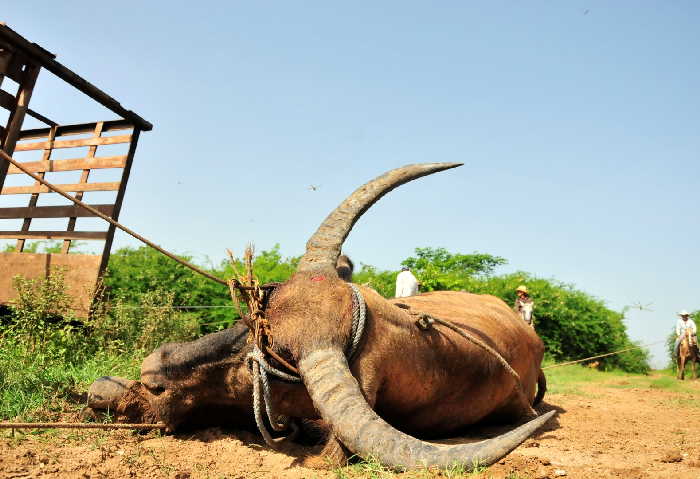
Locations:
681 325
406 284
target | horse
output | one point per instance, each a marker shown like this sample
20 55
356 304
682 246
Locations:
526 313
687 351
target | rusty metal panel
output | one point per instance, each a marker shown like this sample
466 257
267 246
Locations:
81 272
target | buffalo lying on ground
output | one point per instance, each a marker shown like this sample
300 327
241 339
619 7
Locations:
404 381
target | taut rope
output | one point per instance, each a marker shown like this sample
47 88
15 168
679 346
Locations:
602 355
109 220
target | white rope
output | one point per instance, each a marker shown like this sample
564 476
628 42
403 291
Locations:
261 368
359 312
279 423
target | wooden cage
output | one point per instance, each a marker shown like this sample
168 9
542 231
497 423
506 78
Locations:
76 153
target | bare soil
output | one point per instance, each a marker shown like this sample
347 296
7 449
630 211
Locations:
605 430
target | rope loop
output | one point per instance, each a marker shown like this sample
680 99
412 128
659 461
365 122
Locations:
359 314
261 368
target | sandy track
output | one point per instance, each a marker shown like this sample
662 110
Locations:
609 430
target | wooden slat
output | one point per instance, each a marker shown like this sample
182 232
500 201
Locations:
66 211
14 122
74 235
11 64
41 117
83 179
45 156
7 101
24 190
119 199
45 145
78 129
71 164
5 58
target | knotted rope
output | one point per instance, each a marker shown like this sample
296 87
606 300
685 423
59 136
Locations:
257 362
261 368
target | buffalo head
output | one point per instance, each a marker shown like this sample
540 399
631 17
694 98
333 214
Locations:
204 382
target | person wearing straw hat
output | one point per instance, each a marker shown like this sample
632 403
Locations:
681 325
524 304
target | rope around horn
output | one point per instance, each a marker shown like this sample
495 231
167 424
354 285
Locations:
261 368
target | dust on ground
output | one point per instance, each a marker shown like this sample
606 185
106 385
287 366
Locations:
604 430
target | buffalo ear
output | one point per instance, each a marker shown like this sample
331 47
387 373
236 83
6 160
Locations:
344 267
268 290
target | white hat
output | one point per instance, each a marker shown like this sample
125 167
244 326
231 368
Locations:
683 312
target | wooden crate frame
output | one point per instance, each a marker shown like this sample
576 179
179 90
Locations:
22 62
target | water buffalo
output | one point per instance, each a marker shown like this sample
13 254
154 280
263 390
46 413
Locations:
403 382
425 383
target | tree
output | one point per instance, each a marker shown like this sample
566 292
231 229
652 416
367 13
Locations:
475 264
439 270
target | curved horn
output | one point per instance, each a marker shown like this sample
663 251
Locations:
323 247
338 398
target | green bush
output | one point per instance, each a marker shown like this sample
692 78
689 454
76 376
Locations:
133 272
41 309
122 327
572 324
47 355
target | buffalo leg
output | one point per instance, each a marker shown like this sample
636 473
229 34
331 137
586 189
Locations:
541 388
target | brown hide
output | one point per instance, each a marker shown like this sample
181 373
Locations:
427 383
467 382
199 383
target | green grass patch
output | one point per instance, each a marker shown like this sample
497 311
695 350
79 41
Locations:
571 380
372 469
39 385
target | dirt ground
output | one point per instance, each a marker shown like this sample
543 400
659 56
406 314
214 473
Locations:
604 430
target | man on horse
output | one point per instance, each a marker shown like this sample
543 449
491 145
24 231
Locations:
682 325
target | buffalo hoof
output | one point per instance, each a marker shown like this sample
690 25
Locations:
106 392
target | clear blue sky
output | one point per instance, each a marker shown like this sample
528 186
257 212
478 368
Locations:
577 123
